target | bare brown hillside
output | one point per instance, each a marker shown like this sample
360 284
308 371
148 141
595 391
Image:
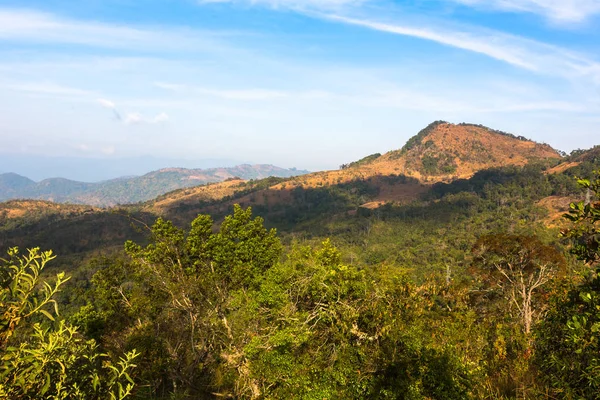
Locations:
440 152
445 151
574 160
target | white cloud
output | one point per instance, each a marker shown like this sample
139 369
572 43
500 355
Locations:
111 106
294 4
517 51
106 103
238 94
137 118
82 147
250 94
40 27
108 150
556 10
162 117
484 45
132 118
169 86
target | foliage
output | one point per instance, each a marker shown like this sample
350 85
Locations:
55 363
569 345
356 303
173 299
585 216
417 139
520 266
568 342
362 161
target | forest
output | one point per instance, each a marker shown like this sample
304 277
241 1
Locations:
472 291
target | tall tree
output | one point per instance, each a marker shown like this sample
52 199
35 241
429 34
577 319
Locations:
519 266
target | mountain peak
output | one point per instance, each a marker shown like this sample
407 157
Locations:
444 151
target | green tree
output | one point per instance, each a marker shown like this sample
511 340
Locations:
569 339
179 293
519 266
585 216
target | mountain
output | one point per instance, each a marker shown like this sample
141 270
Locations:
12 183
474 165
442 152
130 189
579 158
86 169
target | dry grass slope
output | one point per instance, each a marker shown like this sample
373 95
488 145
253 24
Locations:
445 153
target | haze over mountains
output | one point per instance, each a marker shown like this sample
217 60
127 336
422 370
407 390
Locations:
39 167
129 189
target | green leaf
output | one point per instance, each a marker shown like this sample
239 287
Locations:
46 386
47 314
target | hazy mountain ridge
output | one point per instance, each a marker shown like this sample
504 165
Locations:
441 152
127 190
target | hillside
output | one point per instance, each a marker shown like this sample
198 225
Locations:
480 158
442 152
578 158
131 189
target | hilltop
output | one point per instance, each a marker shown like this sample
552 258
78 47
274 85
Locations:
129 189
442 152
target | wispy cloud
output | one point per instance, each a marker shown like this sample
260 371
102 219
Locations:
41 27
132 118
514 50
566 11
294 4
241 94
486 45
49 88
111 106
137 118
518 51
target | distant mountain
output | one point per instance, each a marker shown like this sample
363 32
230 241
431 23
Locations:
40 167
130 189
12 183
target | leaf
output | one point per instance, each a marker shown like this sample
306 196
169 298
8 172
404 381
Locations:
46 386
47 314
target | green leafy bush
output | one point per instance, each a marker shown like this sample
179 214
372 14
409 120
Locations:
53 362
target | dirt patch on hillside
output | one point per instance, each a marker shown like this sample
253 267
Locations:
562 167
557 206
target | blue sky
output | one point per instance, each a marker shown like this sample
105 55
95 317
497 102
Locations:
297 83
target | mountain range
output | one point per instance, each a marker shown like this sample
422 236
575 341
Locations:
453 166
127 190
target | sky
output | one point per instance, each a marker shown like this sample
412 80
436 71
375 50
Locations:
309 84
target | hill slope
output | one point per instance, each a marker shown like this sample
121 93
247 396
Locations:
442 152
129 190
